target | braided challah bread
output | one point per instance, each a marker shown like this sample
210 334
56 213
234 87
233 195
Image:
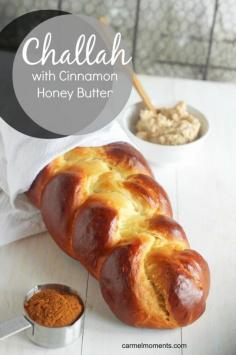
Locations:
102 207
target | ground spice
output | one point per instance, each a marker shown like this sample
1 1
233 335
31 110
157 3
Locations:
53 308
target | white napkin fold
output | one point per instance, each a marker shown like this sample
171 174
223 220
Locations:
21 159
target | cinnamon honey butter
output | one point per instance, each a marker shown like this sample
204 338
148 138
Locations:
168 126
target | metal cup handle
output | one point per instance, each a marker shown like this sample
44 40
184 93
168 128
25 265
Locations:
13 326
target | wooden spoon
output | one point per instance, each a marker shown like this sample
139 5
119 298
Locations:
142 93
136 82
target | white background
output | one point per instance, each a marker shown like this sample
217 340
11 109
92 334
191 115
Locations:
203 196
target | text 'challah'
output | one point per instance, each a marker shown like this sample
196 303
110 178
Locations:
102 207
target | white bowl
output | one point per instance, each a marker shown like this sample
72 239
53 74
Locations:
165 154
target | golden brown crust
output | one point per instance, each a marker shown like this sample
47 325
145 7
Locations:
183 276
59 200
148 192
35 192
102 207
127 157
118 282
93 232
167 228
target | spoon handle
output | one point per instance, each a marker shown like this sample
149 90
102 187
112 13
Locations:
13 326
140 89
136 82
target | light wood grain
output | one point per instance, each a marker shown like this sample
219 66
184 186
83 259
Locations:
203 196
100 322
142 93
24 264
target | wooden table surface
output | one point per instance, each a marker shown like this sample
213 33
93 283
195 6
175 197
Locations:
203 195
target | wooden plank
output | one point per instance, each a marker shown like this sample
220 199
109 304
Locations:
24 264
207 205
203 196
107 334
99 319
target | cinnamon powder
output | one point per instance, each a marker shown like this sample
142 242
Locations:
53 308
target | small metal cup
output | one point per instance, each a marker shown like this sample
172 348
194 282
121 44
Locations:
44 336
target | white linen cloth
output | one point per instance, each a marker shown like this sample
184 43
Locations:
21 159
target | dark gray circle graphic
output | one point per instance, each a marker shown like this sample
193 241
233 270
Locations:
60 78
11 37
